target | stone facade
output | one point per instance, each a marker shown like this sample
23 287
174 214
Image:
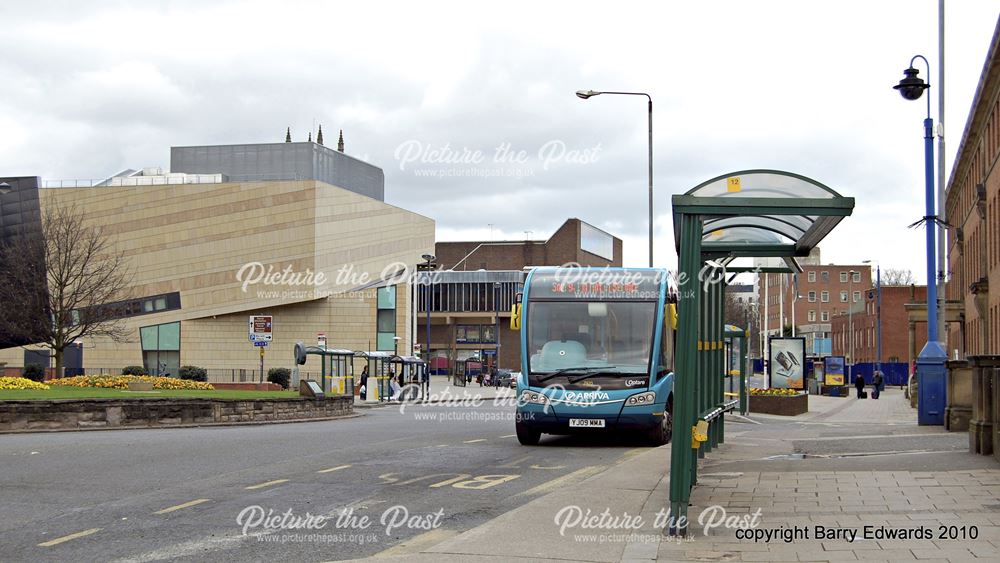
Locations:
89 414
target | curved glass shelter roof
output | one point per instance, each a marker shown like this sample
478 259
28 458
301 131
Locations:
761 213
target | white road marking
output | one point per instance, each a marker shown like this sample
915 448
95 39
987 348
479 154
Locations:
58 541
268 484
182 506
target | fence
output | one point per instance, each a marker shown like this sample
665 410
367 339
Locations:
893 373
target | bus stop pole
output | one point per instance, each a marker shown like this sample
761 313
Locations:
720 352
681 454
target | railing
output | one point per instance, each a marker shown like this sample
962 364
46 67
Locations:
167 180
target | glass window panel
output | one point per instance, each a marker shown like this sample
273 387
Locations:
148 335
161 303
385 342
387 321
489 334
387 297
472 333
170 336
843 277
812 276
147 306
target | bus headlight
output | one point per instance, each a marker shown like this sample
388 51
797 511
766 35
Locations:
530 397
641 399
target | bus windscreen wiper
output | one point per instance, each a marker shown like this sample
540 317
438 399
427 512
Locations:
575 368
593 371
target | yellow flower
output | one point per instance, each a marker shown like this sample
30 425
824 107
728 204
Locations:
17 383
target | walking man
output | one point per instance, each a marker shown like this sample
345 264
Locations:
876 384
859 382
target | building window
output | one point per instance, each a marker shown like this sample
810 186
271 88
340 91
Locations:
825 276
161 348
812 277
843 297
385 335
857 296
812 296
824 316
843 277
825 297
856 277
812 316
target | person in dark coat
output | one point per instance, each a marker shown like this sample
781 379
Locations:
859 382
876 384
363 395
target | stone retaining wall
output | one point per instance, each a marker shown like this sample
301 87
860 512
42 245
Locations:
81 414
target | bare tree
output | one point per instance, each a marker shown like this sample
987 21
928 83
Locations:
897 276
85 278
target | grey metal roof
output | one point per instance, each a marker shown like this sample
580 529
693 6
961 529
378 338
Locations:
762 213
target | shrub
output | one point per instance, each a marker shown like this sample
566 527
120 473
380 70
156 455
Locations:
281 376
193 373
34 372
134 370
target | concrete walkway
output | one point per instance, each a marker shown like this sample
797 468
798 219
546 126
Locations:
795 512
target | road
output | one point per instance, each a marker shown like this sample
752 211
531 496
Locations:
177 494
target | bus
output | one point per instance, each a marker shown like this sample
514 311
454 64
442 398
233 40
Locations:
597 353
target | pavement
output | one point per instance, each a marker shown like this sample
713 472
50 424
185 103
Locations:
850 480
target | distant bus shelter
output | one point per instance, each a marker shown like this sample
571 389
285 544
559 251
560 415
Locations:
414 376
752 213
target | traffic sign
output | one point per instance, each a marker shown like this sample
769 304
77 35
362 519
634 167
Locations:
260 328
260 343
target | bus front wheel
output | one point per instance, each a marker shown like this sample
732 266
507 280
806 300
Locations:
526 436
661 434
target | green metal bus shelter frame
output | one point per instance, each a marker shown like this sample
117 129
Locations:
751 213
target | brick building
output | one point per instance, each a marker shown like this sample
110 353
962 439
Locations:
471 295
972 212
901 340
574 242
824 292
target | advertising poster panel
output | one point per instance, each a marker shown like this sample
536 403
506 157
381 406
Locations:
834 370
786 362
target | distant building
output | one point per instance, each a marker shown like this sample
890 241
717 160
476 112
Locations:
898 345
824 292
575 242
471 297
210 242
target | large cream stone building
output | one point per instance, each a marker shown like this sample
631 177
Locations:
210 248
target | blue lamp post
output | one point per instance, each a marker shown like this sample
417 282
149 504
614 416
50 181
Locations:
930 362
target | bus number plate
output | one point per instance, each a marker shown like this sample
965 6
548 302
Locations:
586 423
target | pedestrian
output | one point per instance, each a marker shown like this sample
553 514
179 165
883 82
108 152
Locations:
876 384
393 386
363 393
859 382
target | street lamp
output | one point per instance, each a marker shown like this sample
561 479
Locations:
930 362
428 266
850 319
496 320
585 94
878 315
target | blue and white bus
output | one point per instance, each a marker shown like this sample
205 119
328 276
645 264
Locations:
597 353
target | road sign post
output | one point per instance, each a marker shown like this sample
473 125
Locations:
261 335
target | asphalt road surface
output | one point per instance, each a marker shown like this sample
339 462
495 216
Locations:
200 494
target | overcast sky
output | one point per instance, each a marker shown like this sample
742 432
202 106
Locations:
419 88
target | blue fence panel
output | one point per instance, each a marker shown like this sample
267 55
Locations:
896 373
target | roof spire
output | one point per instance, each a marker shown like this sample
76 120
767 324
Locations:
288 135
319 136
340 142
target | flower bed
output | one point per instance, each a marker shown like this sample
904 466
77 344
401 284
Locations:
15 383
774 392
122 381
780 403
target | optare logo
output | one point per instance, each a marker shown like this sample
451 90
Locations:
635 382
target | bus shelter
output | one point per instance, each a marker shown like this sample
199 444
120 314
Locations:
752 213
415 378
381 371
466 370
737 365
336 367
